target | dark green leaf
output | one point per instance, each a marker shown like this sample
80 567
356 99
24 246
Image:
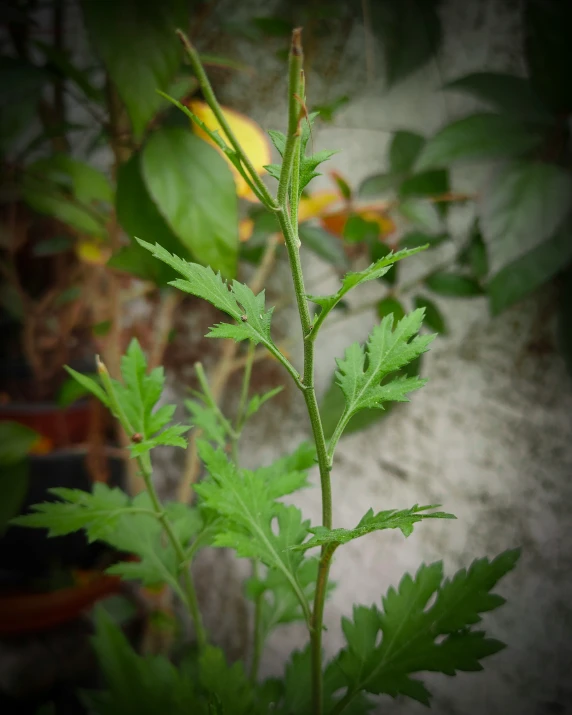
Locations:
139 49
323 244
139 216
433 317
475 254
404 150
530 271
524 204
410 32
478 138
89 385
101 329
423 214
357 229
328 111
434 182
390 306
72 390
453 285
52 246
229 685
194 190
416 637
548 51
378 184
14 481
342 184
16 441
272 26
138 684
508 94
68 296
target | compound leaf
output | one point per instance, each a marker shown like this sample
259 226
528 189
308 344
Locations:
392 519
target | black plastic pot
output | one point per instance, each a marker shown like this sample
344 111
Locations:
28 555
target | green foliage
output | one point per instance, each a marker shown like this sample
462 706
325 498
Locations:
432 318
410 32
175 190
453 285
194 191
392 519
139 216
16 441
128 35
327 247
353 279
478 138
133 401
308 164
69 190
525 222
508 94
417 637
361 370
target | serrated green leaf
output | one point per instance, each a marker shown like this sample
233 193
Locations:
416 239
477 138
433 317
229 684
246 502
387 350
353 279
417 638
237 300
97 513
138 684
206 420
278 139
392 519
256 402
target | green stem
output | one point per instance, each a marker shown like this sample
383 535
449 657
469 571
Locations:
212 102
318 625
241 412
292 247
189 587
212 402
258 640
296 59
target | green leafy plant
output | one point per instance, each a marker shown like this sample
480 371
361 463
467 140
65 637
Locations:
428 624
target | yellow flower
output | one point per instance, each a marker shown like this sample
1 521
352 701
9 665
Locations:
250 136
